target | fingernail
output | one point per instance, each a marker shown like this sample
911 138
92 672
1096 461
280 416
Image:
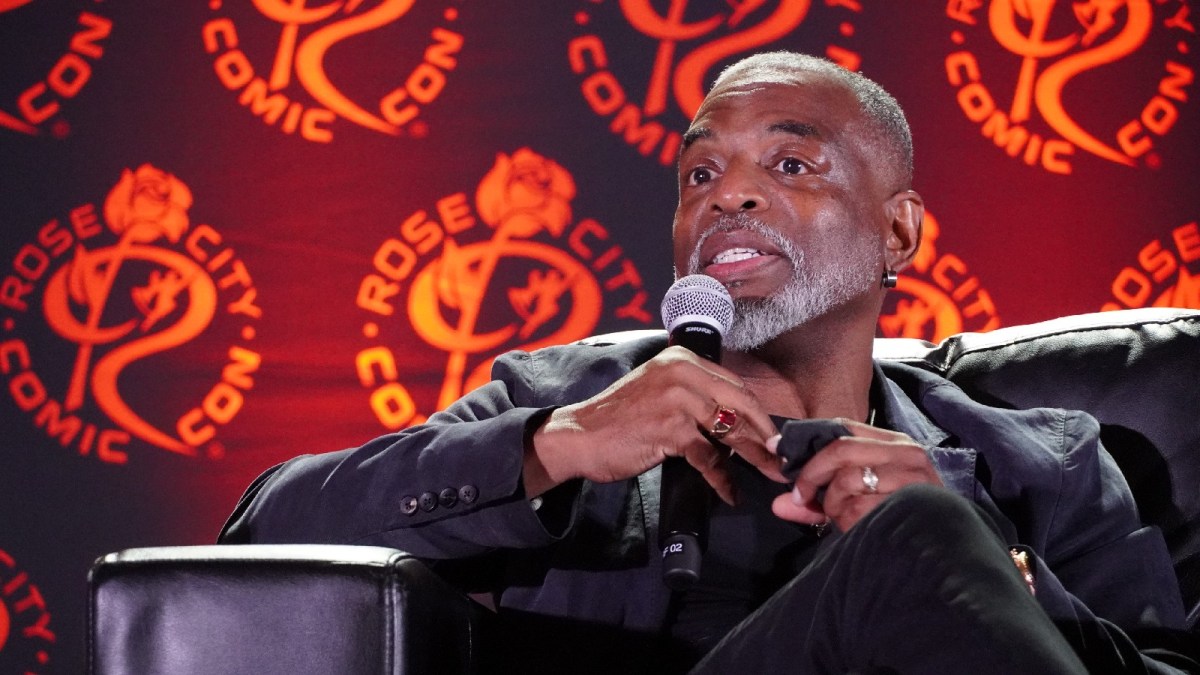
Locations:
797 498
773 443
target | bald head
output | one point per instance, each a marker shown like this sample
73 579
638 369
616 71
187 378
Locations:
886 128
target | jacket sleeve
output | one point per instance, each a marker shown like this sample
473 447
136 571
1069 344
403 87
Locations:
450 488
1100 549
1107 579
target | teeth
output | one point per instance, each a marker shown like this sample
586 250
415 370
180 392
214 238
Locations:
736 254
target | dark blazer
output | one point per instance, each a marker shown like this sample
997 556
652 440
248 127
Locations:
451 490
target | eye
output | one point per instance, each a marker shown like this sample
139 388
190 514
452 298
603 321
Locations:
699 175
790 165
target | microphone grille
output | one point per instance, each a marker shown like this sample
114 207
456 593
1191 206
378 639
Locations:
698 297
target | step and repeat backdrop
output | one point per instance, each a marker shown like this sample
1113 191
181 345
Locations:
235 231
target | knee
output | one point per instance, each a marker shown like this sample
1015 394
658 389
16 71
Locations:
917 512
922 501
928 500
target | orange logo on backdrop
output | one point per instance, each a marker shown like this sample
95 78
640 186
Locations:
527 276
693 39
1164 276
121 305
937 296
25 634
1048 45
305 37
41 95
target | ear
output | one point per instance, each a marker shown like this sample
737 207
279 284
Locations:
906 212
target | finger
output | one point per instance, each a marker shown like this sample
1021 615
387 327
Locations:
852 452
850 511
848 485
768 464
888 479
731 403
754 448
753 422
863 430
850 496
748 434
715 387
712 463
873 447
722 399
794 507
757 453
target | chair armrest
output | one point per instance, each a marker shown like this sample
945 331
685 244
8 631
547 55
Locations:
276 609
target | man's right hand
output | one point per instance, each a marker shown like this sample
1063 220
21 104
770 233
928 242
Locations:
661 409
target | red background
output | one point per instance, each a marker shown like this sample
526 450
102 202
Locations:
306 218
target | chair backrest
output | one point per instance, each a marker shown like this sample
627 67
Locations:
1136 371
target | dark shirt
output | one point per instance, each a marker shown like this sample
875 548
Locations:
751 554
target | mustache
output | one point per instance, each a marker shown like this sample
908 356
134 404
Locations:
744 221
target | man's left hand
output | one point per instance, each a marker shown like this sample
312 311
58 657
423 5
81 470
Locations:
846 468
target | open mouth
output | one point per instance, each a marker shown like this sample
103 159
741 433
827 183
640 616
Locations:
736 249
733 255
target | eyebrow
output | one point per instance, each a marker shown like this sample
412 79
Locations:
800 129
694 135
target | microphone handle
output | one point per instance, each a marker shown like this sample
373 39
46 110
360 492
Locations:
684 505
685 499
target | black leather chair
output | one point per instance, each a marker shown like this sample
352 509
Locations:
339 609
280 609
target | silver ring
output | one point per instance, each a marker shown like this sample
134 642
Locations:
870 480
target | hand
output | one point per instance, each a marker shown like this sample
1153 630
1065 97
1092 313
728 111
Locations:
661 409
894 457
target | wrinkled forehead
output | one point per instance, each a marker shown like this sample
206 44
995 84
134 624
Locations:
763 74
812 98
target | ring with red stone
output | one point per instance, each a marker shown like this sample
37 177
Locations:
723 421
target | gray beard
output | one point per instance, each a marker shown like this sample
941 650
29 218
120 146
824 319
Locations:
812 291
809 294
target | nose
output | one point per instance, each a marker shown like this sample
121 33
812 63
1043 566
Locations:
740 189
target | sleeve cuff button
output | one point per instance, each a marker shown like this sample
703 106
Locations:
468 494
429 501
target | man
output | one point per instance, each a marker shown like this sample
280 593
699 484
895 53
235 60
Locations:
795 194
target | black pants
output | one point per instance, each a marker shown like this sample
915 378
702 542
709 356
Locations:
922 584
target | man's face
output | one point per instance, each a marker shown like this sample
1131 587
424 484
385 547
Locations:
780 203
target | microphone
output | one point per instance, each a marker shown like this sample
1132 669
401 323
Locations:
696 311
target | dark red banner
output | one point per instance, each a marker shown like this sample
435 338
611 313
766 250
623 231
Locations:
235 232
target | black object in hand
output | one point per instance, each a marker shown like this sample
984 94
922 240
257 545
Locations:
801 439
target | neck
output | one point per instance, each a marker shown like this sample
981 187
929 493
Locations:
820 369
